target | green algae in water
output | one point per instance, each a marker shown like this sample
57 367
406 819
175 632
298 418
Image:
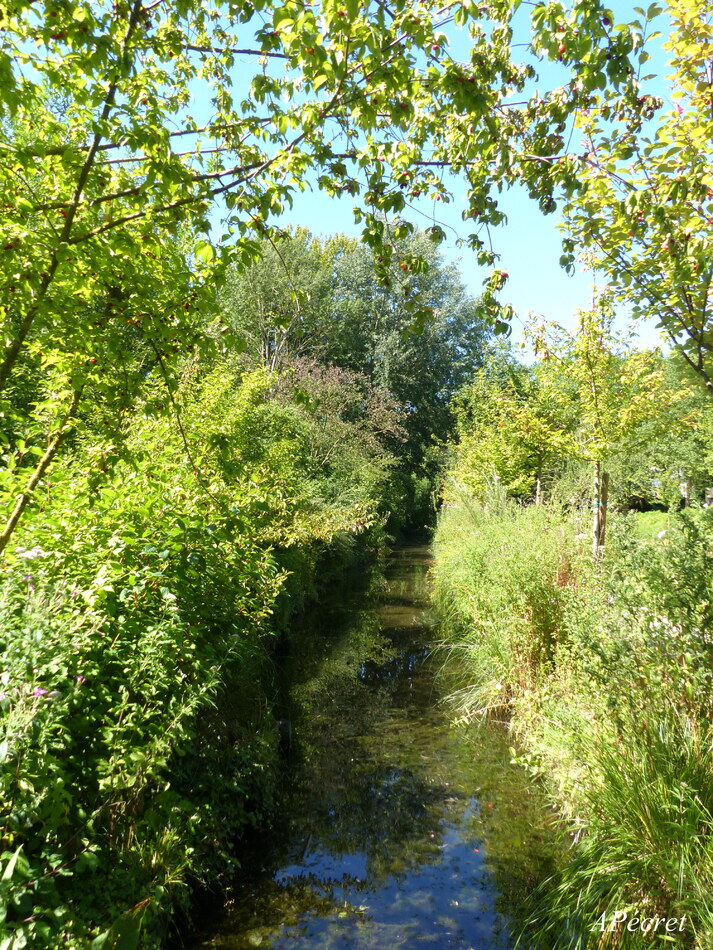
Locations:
398 830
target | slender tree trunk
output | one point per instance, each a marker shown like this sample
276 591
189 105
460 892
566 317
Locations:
596 511
599 504
538 488
603 506
40 469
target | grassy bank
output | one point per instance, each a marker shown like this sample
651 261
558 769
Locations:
605 671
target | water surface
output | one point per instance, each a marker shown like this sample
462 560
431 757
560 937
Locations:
397 829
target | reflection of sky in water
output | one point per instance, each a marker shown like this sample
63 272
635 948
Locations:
326 866
398 831
447 903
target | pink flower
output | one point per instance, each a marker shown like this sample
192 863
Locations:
39 691
80 679
679 109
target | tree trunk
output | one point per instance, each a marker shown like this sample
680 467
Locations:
603 504
599 505
595 510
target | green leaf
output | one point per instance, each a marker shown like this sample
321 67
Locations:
10 869
204 251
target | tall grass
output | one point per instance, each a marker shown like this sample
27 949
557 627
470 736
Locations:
501 583
606 673
648 847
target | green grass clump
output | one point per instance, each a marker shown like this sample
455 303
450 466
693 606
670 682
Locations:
648 846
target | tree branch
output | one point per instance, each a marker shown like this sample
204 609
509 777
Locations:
40 469
13 350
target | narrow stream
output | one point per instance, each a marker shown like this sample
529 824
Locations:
398 829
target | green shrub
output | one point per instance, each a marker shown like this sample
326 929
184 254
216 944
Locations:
113 656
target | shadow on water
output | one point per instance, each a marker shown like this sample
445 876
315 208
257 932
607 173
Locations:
397 829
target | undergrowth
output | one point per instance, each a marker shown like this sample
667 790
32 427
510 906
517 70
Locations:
138 618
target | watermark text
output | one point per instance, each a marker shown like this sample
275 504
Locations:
621 919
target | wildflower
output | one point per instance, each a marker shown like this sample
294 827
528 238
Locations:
79 679
39 691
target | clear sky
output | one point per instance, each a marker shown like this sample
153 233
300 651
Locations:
529 244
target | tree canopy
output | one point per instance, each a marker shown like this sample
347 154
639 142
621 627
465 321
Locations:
314 299
103 152
643 210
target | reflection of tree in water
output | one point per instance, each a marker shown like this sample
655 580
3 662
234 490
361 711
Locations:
386 808
388 815
284 907
372 779
388 672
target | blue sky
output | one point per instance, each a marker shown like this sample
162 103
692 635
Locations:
529 244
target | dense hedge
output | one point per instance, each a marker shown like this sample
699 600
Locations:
138 616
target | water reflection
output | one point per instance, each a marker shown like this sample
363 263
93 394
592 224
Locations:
398 830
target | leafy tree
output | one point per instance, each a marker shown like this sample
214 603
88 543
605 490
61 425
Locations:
514 427
590 398
643 211
319 299
616 392
281 307
422 366
353 431
105 152
672 459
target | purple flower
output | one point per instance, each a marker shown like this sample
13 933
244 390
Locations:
39 691
80 679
